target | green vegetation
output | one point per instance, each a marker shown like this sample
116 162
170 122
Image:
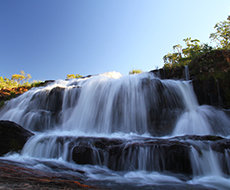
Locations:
194 48
18 84
7 83
18 80
182 56
72 76
21 78
135 71
222 34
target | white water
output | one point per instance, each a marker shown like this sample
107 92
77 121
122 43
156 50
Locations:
115 106
186 72
194 119
94 111
206 164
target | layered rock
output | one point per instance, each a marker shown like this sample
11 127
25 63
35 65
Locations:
176 154
210 74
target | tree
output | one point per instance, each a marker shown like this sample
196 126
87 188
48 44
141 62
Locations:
135 71
222 34
17 77
182 56
21 78
172 59
194 48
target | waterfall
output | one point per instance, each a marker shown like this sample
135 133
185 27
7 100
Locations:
111 103
186 72
205 164
218 92
122 128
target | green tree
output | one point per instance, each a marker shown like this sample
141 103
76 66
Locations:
194 48
222 34
172 59
182 56
135 71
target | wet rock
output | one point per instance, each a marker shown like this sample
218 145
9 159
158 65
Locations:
12 137
199 138
94 151
150 154
159 155
15 176
155 155
54 100
160 73
45 107
207 91
221 146
210 74
83 155
163 107
47 100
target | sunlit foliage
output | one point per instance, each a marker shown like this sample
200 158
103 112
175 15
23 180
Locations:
71 76
18 80
222 34
21 78
194 48
182 56
135 71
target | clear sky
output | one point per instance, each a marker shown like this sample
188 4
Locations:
52 38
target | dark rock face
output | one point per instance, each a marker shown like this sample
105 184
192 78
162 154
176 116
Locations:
48 100
207 92
221 146
12 137
210 74
174 73
83 155
163 107
150 154
48 105
120 155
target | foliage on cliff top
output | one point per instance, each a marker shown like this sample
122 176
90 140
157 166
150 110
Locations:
222 35
72 76
18 80
18 84
210 64
194 48
135 71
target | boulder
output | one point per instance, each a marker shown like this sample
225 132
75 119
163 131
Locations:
12 137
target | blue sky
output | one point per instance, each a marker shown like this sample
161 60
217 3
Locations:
52 38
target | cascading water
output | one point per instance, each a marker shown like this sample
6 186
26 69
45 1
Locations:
186 72
126 131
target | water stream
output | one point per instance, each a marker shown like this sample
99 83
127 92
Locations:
124 132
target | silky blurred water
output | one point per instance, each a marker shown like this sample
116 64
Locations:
117 107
